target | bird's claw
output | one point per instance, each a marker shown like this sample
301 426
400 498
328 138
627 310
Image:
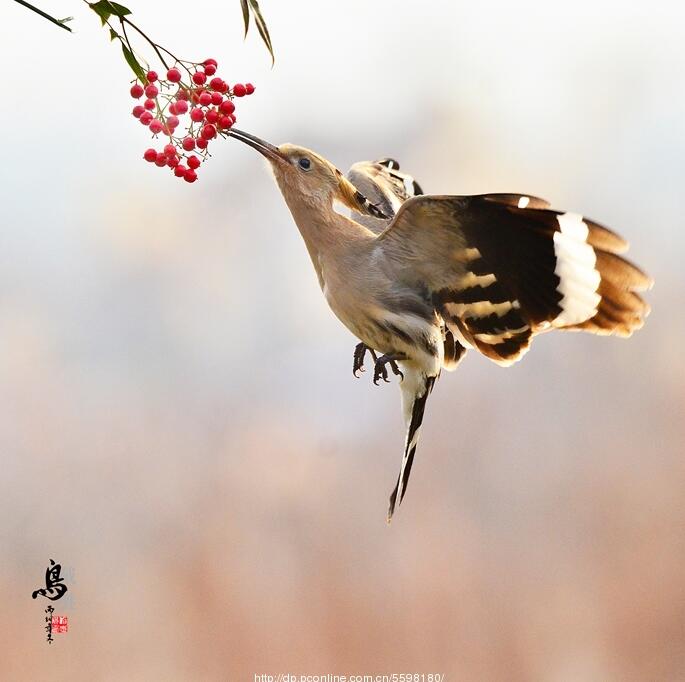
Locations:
358 363
380 371
359 354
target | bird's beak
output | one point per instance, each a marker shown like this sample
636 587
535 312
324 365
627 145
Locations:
270 151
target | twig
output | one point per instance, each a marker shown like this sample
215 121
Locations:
58 22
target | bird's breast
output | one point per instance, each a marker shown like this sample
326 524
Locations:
387 320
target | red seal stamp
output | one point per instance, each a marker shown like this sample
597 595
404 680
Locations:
60 624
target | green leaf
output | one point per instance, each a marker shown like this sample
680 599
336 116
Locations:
261 27
102 10
118 10
133 63
113 35
246 15
105 9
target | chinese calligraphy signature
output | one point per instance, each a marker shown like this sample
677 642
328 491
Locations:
48 620
54 589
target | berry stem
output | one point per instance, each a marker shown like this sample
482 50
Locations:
123 30
124 20
155 47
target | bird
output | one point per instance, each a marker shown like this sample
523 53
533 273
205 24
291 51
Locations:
420 279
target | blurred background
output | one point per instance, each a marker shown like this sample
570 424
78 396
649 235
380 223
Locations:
179 425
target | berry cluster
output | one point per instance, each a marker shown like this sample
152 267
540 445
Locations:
206 99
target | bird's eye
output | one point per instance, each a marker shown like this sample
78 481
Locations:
305 163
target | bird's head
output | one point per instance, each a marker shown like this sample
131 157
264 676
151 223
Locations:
305 176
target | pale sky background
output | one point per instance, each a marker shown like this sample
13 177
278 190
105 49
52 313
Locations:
178 419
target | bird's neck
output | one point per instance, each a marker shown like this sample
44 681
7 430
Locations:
325 232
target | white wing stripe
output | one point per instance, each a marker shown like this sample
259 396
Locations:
470 280
575 267
481 308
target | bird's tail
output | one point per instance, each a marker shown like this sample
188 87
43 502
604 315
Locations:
416 387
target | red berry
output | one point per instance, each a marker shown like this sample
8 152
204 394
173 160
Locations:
212 116
172 109
149 104
249 88
169 149
205 99
181 106
160 160
180 170
150 155
210 69
173 75
216 83
137 91
151 91
172 161
201 143
146 117
227 107
151 76
156 126
190 175
217 98
208 132
225 121
188 144
193 161
172 121
138 110
199 78
239 90
209 61
182 95
196 115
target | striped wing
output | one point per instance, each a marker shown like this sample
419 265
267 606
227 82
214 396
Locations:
504 267
382 183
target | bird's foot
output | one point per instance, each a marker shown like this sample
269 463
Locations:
359 354
380 370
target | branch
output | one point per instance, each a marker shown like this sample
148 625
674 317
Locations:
59 22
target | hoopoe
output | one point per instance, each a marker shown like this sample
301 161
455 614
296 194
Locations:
419 279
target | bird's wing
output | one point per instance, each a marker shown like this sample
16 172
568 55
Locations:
382 183
503 267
